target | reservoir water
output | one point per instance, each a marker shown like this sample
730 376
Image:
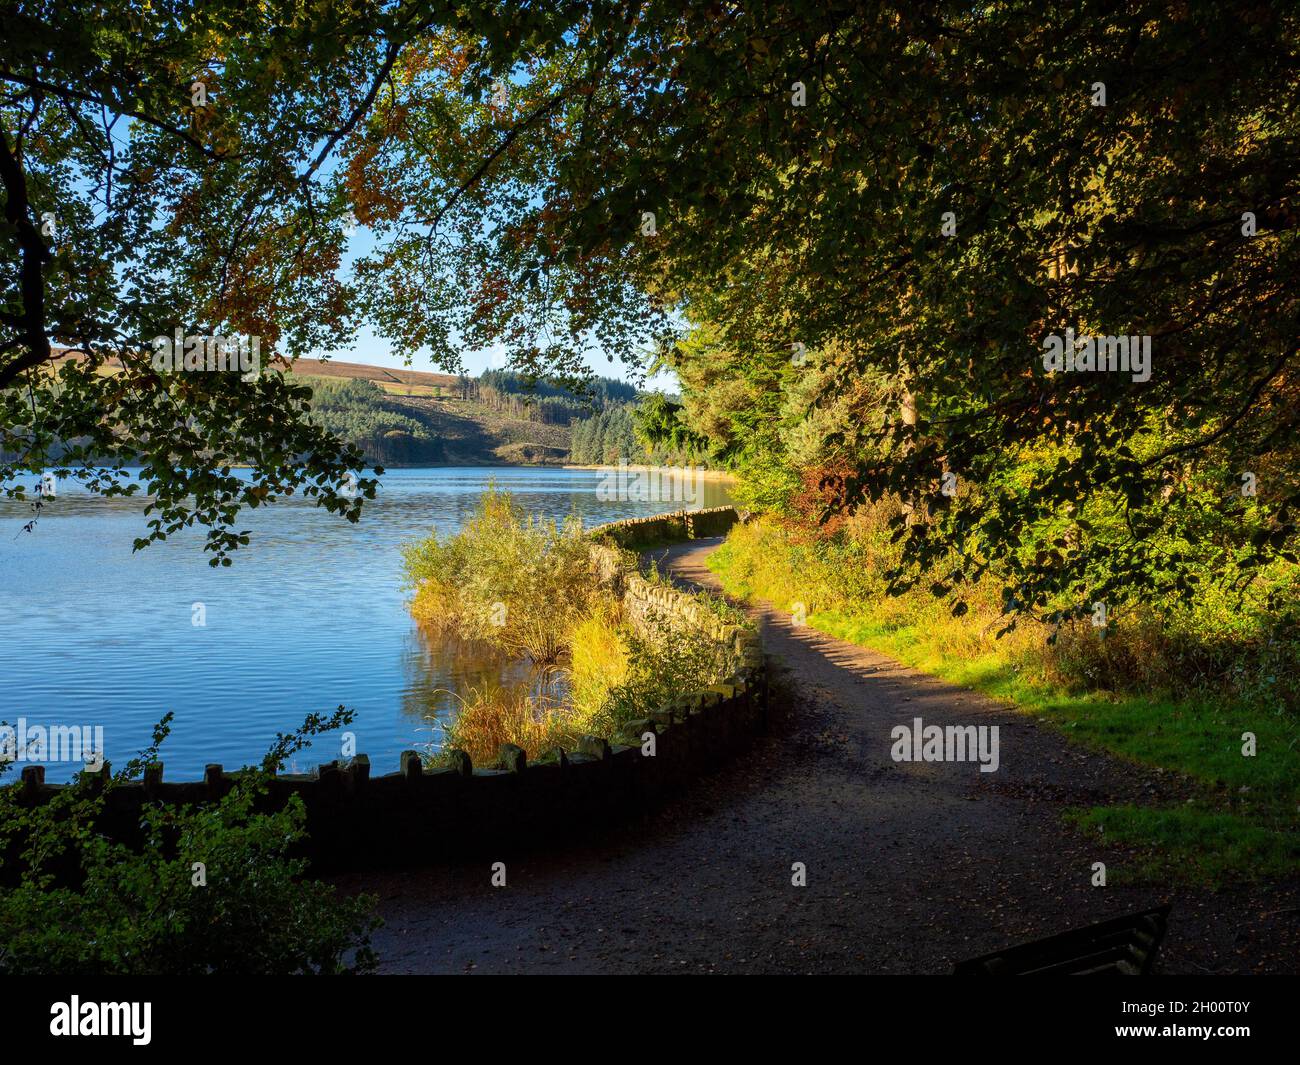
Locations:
310 615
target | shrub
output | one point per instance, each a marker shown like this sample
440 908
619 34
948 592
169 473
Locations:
599 660
660 667
493 713
614 676
76 903
539 581
508 580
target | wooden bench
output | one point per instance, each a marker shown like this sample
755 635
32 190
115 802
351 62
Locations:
1125 946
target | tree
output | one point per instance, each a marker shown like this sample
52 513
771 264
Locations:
580 442
931 194
176 168
935 194
158 179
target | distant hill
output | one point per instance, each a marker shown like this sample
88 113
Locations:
388 379
402 417
492 420
416 423
381 375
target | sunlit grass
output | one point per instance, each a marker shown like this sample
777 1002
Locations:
491 714
393 388
1193 843
1256 796
598 662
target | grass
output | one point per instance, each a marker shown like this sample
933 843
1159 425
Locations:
1241 823
492 714
599 662
611 676
527 589
715 604
393 388
1198 738
1192 844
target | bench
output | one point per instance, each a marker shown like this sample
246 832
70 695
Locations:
1124 946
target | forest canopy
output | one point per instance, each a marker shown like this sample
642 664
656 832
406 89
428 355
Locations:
855 230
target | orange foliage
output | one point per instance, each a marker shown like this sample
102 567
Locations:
822 505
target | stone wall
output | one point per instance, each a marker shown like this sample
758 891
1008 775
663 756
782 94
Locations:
668 528
418 816
651 606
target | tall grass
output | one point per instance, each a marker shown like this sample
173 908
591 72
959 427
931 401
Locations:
599 660
507 579
613 675
527 589
1175 689
660 665
1218 647
492 713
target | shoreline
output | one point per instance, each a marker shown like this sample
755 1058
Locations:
694 471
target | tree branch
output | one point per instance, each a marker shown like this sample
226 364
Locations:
1226 427
496 153
65 93
34 257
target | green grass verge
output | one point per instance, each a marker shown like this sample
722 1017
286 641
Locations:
1243 822
1192 844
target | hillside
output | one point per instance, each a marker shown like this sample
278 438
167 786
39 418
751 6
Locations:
398 382
416 422
425 418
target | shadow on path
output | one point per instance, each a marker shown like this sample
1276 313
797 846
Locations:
910 866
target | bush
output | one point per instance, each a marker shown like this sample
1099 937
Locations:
76 903
658 669
493 713
613 676
529 588
514 582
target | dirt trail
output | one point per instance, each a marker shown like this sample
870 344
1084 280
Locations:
910 866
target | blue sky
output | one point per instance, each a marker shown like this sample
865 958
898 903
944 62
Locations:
376 351
373 350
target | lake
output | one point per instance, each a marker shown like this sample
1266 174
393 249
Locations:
309 616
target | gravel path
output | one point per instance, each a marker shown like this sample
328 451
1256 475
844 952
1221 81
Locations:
910 866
